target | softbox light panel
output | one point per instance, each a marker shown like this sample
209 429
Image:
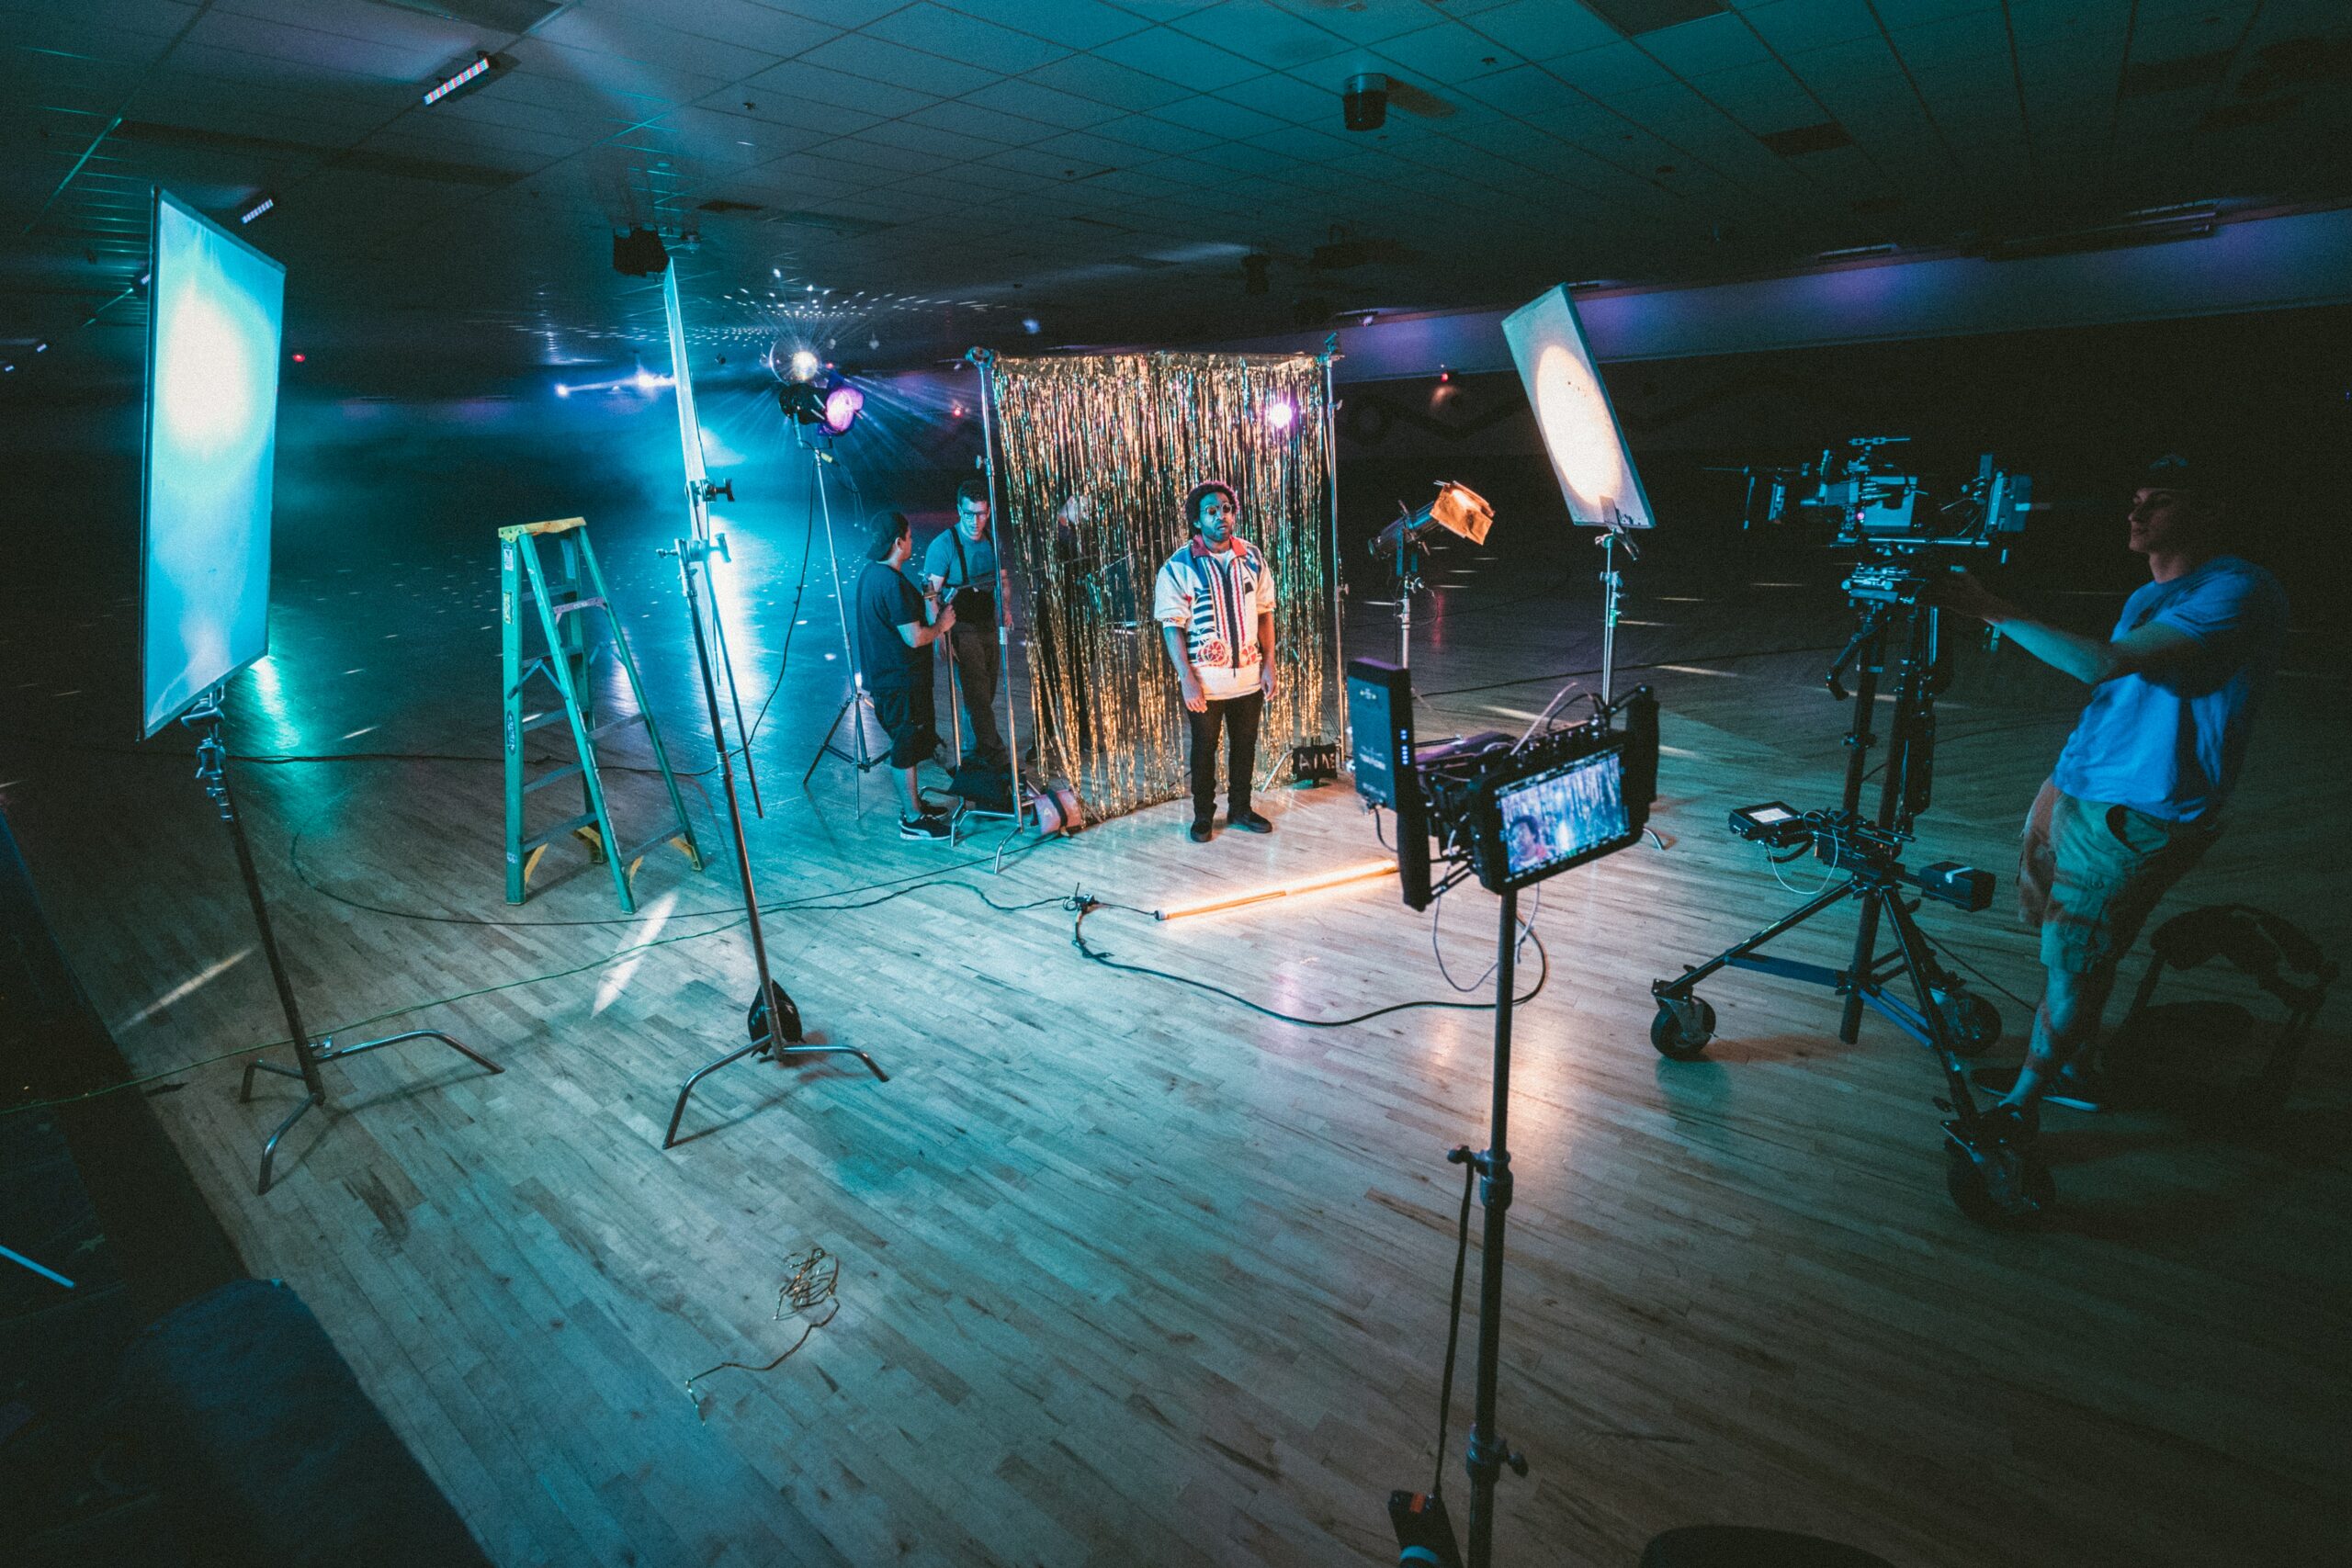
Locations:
1572 409
215 319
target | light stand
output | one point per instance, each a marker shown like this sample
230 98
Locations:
213 771
700 494
775 1021
1611 588
1486 1452
858 706
1457 509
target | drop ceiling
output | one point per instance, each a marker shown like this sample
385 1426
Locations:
917 177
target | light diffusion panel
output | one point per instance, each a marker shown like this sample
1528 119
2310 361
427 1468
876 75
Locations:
1580 431
216 309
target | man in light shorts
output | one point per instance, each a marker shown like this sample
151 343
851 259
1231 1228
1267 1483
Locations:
2136 798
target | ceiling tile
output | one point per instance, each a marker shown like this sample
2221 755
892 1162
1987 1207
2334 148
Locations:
1181 57
962 118
1080 24
1034 100
1261 32
1446 53
1970 39
774 90
984 44
1791 26
1540 29
1107 81
1297 99
1612 68
1711 43
1157 135
1363 21
861 55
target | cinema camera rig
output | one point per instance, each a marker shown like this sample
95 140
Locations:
1905 544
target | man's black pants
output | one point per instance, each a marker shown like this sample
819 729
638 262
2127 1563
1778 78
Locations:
1239 717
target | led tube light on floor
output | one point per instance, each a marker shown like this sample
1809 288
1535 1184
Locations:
1364 873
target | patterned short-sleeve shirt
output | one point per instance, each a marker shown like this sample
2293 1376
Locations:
1217 597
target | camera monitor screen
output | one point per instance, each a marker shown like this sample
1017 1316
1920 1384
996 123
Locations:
216 308
1580 431
1551 820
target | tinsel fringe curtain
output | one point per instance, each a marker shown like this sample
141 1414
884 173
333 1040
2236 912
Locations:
1127 434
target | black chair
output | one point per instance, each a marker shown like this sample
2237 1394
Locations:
2158 1043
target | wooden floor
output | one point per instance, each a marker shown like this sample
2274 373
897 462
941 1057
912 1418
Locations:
1129 1273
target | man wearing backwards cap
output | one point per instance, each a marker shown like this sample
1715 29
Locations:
2136 797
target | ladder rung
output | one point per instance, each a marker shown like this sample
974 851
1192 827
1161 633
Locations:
547 778
566 609
585 819
622 722
541 721
640 851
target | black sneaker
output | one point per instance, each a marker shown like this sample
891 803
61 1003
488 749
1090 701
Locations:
1248 821
1203 830
932 827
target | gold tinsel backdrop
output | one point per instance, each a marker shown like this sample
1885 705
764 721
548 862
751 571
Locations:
1095 455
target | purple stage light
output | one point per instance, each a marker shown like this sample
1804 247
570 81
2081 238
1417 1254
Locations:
1279 414
842 406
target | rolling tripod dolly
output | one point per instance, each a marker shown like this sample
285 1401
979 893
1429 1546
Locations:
1992 1174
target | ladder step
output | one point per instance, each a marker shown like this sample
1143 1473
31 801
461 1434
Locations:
622 722
585 819
638 851
541 721
572 606
567 771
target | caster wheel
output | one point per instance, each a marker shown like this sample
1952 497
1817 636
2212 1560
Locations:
1975 1023
755 1020
1681 1032
1965 1178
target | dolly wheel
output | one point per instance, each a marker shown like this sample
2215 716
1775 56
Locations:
1681 1031
1964 1180
1972 1022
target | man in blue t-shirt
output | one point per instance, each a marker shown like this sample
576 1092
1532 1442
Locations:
2136 797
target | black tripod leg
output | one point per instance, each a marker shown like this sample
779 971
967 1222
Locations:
1927 979
1849 1020
825 746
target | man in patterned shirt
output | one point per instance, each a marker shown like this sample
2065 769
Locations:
1214 602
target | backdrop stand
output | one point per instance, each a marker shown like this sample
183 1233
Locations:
1326 360
774 1019
213 771
1000 521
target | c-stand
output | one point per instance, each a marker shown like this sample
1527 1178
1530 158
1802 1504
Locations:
774 1021
213 771
1993 1178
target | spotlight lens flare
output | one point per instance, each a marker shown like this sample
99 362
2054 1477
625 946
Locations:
804 366
1279 414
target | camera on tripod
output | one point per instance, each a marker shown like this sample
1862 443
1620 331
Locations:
1510 812
1871 503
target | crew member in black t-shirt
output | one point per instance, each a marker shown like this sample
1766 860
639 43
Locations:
894 638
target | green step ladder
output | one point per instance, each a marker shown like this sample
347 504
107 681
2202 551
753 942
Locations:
565 601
